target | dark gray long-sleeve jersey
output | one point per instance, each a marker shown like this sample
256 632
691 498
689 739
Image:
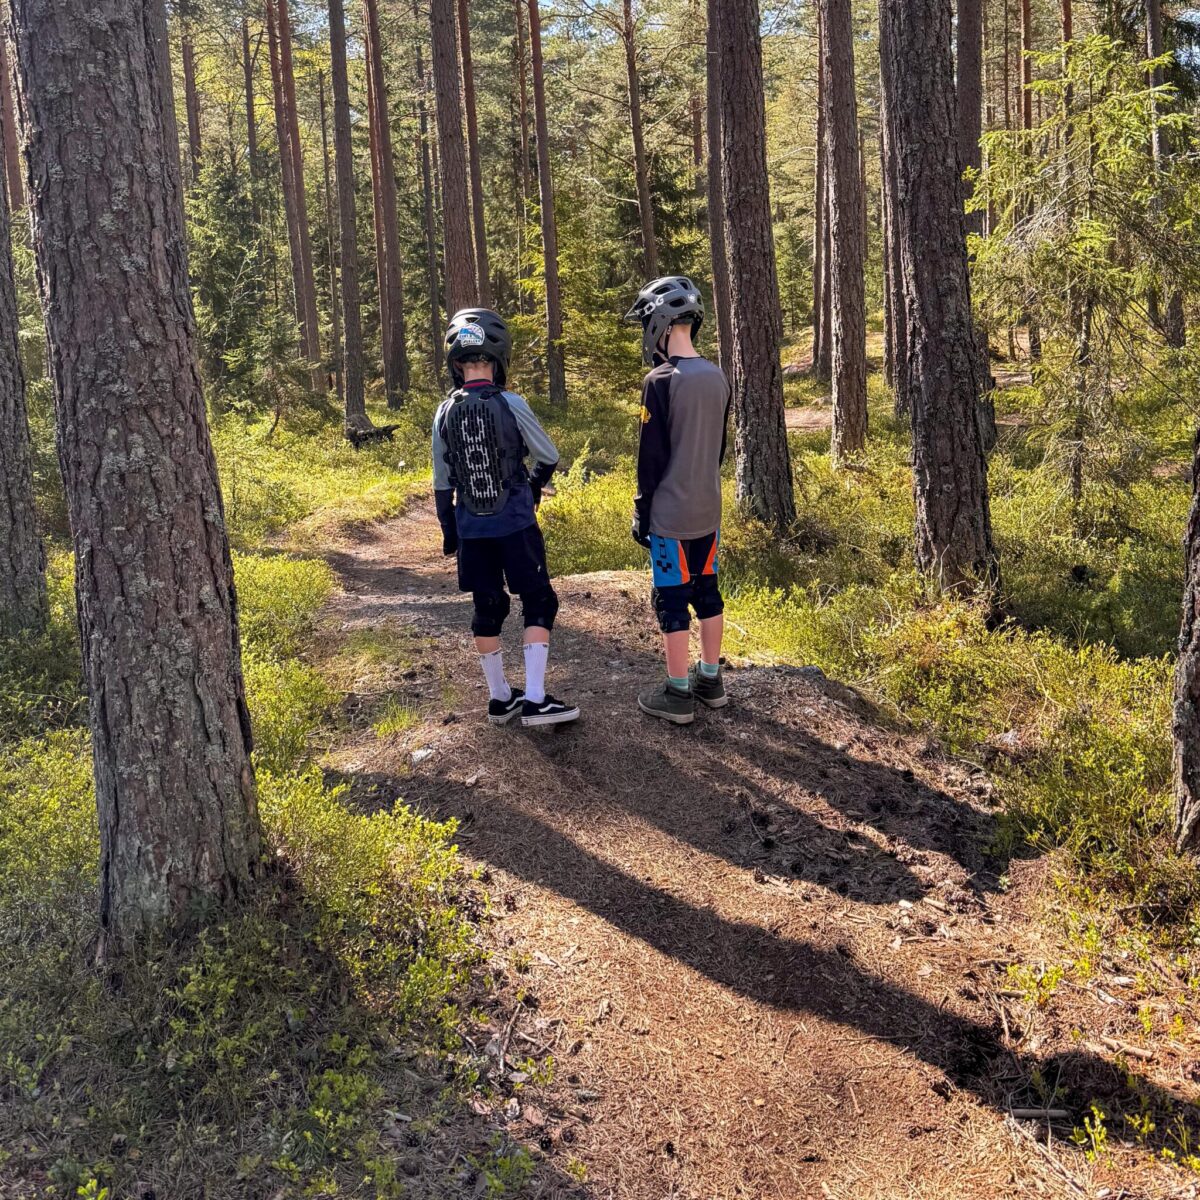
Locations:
685 410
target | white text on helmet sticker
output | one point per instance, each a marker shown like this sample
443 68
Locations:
472 335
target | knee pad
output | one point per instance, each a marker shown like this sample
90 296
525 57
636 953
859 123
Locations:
706 597
540 608
671 608
491 611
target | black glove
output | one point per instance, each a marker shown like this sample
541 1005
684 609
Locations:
444 501
538 478
641 528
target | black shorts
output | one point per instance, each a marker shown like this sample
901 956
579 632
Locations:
517 560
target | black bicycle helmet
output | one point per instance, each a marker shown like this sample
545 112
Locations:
662 303
478 333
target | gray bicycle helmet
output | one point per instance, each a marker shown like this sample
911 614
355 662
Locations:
662 303
478 333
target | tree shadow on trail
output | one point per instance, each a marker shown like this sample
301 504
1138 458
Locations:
795 976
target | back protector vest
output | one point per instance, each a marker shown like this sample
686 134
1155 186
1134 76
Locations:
484 449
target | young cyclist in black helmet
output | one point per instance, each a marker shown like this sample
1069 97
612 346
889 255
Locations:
486 504
677 510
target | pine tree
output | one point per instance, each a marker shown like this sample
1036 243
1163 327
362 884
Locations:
482 269
158 610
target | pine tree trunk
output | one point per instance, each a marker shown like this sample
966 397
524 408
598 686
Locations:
847 234
22 560
640 167
251 118
555 365
969 64
1185 717
764 470
158 614
383 292
522 99
716 201
331 234
953 525
482 269
343 152
462 285
285 168
395 337
430 216
822 357
897 320
306 300
191 102
8 117
1026 65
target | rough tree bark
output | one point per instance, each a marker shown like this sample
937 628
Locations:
897 320
158 616
969 64
8 116
716 201
848 331
343 151
251 116
555 365
822 357
764 469
640 166
430 216
462 284
395 338
953 525
1185 717
522 98
482 269
22 559
306 300
191 99
331 234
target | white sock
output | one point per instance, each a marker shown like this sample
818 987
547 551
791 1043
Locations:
536 655
493 670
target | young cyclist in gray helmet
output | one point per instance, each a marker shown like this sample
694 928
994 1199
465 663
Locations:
677 510
487 501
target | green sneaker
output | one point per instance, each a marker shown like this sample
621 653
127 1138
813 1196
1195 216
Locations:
669 704
708 691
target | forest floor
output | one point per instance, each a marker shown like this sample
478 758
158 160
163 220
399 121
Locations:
770 955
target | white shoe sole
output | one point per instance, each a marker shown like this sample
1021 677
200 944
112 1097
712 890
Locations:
506 719
560 718
720 702
674 718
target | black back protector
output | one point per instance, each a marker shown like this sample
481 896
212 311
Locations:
484 449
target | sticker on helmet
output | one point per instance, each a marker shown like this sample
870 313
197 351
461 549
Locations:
472 335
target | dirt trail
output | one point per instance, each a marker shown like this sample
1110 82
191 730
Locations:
767 951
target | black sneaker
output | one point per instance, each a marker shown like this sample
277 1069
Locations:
549 712
709 690
669 704
500 712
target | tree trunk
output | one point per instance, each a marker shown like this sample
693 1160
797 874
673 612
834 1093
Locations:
191 102
285 157
482 270
897 320
847 234
22 559
158 615
306 299
330 232
462 285
1185 717
343 152
8 116
953 523
640 167
381 259
1026 65
716 201
764 469
969 61
555 365
523 97
391 277
251 118
822 357
430 216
